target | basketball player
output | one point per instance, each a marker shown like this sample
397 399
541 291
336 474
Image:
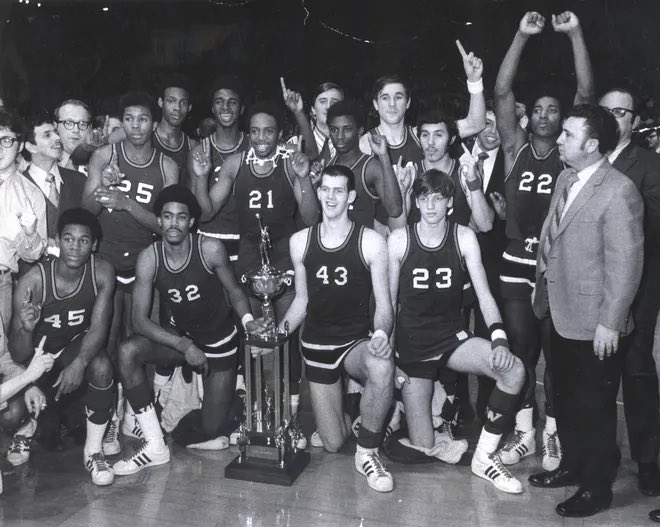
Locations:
532 165
63 307
429 261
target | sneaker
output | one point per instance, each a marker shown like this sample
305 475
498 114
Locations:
130 426
368 464
551 451
316 440
145 456
520 445
448 449
100 469
111 446
447 427
234 437
490 467
19 450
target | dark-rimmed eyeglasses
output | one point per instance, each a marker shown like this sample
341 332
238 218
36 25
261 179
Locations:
69 124
618 112
7 141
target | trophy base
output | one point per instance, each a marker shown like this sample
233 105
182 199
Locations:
268 471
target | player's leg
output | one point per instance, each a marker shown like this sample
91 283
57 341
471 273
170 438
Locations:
417 395
327 404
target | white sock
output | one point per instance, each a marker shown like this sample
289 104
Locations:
524 420
295 401
363 450
240 382
94 440
148 421
28 429
550 424
488 442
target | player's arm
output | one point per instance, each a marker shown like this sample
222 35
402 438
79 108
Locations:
471 171
365 146
396 248
374 250
26 312
381 177
170 172
212 201
32 239
99 161
294 102
298 308
475 121
568 23
303 189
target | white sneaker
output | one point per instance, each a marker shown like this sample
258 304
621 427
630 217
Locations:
520 445
448 449
130 426
19 450
234 437
316 440
111 446
490 467
99 468
146 456
551 451
368 464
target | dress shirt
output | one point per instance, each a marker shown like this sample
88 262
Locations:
611 157
489 163
583 176
40 177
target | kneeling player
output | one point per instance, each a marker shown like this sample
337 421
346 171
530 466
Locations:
64 307
428 262
337 265
193 274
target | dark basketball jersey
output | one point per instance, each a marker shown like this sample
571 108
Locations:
363 210
338 289
431 282
123 236
179 155
194 294
225 222
64 317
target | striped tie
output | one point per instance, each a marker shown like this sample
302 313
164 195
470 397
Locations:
571 177
53 194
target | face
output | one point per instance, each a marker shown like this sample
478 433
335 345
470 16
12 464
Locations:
573 144
72 138
113 124
175 222
546 117
175 103
264 134
653 140
489 138
628 121
8 153
76 244
47 143
392 103
433 207
138 124
226 107
435 141
322 102
344 133
334 195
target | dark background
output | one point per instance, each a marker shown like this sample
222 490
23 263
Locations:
67 49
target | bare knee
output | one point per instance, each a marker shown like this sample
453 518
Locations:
129 357
100 371
334 444
380 371
14 415
515 377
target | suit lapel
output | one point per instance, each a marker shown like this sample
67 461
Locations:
625 160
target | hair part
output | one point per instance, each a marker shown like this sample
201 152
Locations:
436 116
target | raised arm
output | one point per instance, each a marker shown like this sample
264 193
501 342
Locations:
381 177
405 177
26 313
568 23
99 162
294 102
211 200
298 308
472 171
475 121
303 190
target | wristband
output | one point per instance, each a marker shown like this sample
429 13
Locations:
498 336
183 344
379 333
476 86
473 184
246 318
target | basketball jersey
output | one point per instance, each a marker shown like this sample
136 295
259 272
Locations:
64 318
123 236
431 282
194 294
363 210
178 154
225 222
338 289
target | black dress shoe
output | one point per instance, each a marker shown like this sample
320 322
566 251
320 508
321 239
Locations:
552 479
649 483
655 515
585 503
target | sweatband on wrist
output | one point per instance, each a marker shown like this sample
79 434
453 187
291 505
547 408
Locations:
473 184
476 86
246 318
498 336
183 344
379 333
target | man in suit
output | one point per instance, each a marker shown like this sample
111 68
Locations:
589 266
640 379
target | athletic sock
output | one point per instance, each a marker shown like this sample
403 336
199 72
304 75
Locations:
98 407
499 411
550 424
140 399
524 419
488 441
367 439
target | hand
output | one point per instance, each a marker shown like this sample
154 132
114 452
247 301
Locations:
256 351
259 326
41 362
380 347
292 99
30 313
501 359
532 23
98 137
70 379
315 170
378 144
565 22
196 359
35 400
201 160
499 204
111 174
405 175
400 378
28 222
473 66
300 164
470 168
111 198
606 342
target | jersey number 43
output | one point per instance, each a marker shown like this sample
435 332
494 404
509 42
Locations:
339 275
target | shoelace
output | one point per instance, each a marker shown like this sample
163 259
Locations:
377 465
553 446
20 444
499 466
98 462
446 427
112 434
515 441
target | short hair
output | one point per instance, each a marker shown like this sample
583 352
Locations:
547 89
433 181
174 80
348 107
228 82
435 116
73 102
269 108
628 90
599 124
490 105
37 118
178 194
13 122
138 98
340 171
383 81
79 216
324 87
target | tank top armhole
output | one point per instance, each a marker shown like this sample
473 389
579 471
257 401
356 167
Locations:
44 281
161 163
515 160
411 133
287 173
155 248
457 247
363 176
240 164
311 234
92 266
198 241
409 235
360 237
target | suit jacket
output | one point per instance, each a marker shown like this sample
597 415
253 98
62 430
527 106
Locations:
595 262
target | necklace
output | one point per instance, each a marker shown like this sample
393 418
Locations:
281 151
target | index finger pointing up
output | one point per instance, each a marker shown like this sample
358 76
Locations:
461 49
28 296
283 84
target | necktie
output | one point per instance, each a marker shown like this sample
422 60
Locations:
53 194
556 219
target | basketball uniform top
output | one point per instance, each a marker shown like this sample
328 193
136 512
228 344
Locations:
430 299
178 154
338 288
194 294
123 236
363 210
64 317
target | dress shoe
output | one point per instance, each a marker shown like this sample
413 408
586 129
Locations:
655 515
585 503
649 483
553 479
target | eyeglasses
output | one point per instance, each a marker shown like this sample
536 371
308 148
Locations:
7 141
618 112
69 124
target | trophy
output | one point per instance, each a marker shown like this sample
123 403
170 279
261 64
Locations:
269 433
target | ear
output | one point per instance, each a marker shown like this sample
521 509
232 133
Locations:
453 138
160 102
30 147
94 245
154 126
375 103
280 135
450 203
592 145
408 103
191 223
352 196
242 110
189 109
636 122
57 241
361 131
160 223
